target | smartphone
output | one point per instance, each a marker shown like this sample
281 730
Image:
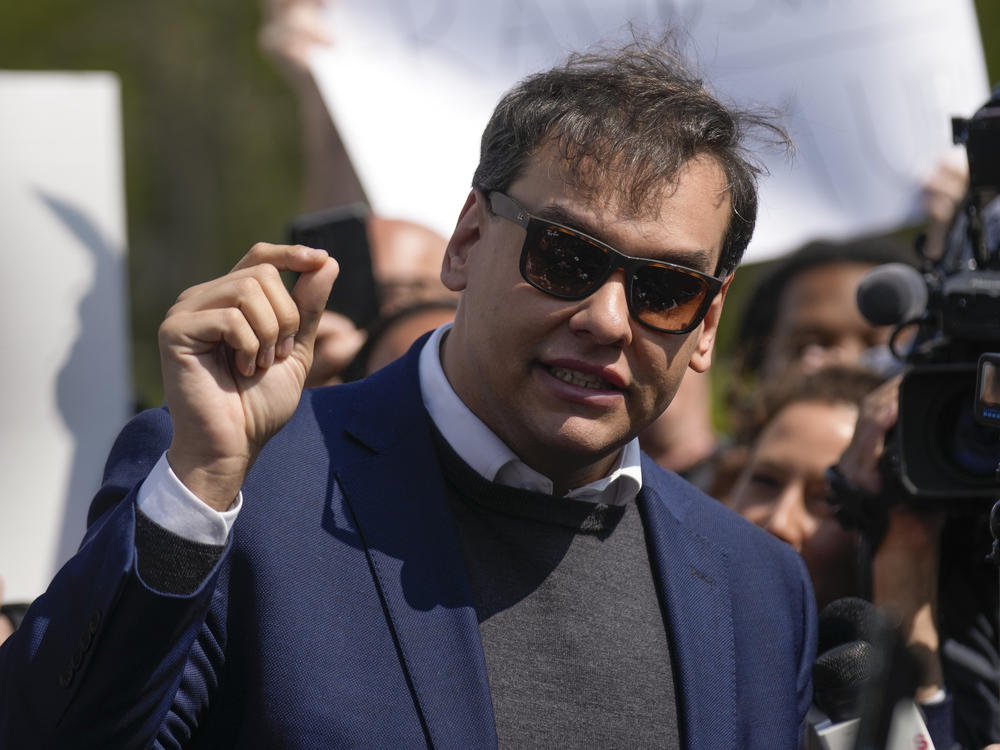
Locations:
343 233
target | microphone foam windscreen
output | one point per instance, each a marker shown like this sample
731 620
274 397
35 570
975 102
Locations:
892 293
840 676
847 665
848 619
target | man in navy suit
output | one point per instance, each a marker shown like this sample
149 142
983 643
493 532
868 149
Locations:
466 549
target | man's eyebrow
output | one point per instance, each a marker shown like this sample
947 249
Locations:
698 260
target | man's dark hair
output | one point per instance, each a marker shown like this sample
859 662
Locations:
628 119
760 313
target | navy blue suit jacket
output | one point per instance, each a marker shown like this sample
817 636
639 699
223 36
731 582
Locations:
340 614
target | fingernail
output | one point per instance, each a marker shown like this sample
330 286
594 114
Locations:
267 357
285 347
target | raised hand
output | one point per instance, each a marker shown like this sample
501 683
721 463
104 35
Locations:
878 412
234 354
290 28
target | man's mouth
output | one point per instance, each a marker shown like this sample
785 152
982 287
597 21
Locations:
581 379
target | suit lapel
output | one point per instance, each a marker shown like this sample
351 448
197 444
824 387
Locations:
398 498
397 495
694 586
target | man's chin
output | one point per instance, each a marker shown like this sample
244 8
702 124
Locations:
578 443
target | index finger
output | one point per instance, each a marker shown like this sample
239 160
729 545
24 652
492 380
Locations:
297 258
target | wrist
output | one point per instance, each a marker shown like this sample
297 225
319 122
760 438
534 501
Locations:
216 482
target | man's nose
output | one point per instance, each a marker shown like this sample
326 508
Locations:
787 518
604 314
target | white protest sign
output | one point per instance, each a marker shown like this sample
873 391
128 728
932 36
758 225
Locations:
868 88
65 384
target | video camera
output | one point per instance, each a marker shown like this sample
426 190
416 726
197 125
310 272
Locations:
945 445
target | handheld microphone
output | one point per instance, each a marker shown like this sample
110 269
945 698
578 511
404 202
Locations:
860 685
839 674
892 293
847 658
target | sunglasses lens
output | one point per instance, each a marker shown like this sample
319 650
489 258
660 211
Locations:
667 298
562 263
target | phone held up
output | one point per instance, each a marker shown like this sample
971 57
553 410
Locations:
343 233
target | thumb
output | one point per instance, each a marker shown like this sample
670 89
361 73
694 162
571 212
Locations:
310 293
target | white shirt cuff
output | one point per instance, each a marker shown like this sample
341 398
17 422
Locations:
168 503
938 697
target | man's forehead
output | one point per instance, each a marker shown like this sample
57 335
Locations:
610 207
830 285
626 191
829 275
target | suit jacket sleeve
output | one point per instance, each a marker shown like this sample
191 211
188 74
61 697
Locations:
100 655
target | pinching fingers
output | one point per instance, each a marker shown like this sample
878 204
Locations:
317 272
310 293
200 331
249 309
297 258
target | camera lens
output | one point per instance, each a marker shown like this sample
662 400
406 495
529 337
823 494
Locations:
974 447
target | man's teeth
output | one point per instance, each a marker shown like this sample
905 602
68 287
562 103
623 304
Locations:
581 379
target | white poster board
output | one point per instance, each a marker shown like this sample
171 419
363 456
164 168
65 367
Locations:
65 383
868 88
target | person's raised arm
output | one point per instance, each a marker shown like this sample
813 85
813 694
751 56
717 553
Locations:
289 32
234 353
906 561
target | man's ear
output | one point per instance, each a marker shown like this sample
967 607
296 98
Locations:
701 358
455 265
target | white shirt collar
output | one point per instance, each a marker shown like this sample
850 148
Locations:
481 449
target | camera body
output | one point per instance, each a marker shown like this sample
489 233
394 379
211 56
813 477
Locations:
941 451
944 448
